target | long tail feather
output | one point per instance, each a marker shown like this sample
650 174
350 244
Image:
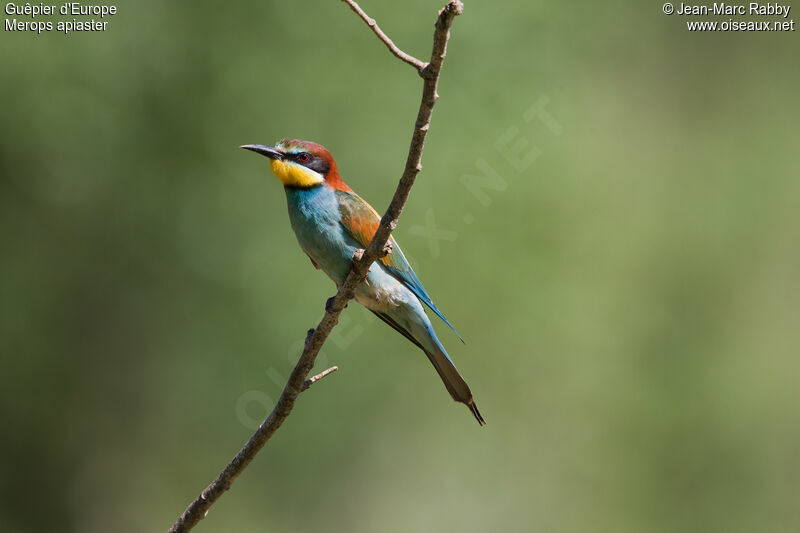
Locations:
447 371
476 413
453 381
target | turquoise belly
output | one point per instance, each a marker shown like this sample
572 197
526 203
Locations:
314 215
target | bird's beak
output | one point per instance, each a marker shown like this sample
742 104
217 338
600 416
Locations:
268 151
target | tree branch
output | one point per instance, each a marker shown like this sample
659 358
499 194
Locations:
411 60
362 260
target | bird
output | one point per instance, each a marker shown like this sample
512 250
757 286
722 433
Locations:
331 222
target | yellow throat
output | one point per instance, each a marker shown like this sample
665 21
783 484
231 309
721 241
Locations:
294 175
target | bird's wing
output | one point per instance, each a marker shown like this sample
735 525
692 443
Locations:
361 221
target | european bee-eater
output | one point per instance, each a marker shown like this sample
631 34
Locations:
332 222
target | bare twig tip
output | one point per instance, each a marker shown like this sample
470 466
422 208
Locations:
454 7
369 21
310 381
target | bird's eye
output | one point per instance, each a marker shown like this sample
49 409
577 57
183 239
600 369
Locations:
303 157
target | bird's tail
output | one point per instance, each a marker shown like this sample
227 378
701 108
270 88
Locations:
455 384
453 381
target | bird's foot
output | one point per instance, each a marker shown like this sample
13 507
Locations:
358 255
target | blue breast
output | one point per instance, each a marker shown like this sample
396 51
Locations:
315 218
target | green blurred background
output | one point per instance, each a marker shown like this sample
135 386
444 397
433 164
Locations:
628 290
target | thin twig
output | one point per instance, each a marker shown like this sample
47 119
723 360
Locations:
411 60
310 381
362 260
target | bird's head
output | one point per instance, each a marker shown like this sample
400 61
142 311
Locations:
301 164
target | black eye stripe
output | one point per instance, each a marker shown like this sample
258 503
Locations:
311 161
